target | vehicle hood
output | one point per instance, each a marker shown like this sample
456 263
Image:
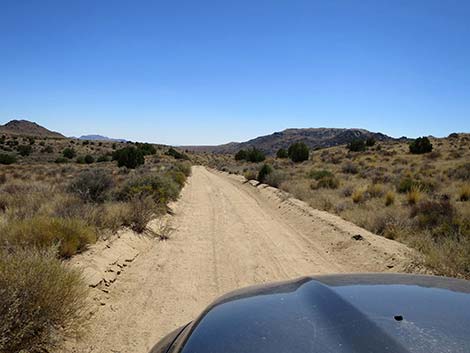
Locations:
344 313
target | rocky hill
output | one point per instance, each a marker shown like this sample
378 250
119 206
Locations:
27 128
313 137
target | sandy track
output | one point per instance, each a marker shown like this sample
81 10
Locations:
229 234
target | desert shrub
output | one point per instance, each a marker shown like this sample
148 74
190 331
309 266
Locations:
129 157
275 178
80 160
319 174
356 146
69 153
69 235
370 141
176 154
420 145
184 167
405 184
389 198
160 187
60 160
89 159
347 191
25 150
349 168
464 193
453 135
253 155
7 158
47 149
265 170
146 148
250 174
240 155
432 213
461 172
298 152
358 196
282 153
327 182
92 185
103 158
140 211
41 301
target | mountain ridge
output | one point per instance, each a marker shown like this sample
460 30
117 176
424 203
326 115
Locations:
312 137
94 137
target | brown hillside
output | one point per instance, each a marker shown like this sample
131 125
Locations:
28 128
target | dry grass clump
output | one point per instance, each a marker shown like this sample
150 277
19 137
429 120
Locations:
464 193
69 235
41 301
414 195
389 198
358 195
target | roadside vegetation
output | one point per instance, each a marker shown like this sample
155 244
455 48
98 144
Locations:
54 203
416 192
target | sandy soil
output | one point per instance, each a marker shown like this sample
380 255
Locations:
228 234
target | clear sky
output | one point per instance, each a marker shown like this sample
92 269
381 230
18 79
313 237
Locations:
209 72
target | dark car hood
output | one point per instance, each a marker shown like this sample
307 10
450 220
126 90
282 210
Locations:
354 313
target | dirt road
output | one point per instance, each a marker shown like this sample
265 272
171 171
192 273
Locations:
229 234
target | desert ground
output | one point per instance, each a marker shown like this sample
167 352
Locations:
227 233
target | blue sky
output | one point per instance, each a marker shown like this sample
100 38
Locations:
209 72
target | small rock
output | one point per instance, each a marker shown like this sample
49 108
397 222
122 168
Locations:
357 237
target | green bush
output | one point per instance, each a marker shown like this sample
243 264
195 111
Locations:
146 148
69 235
69 153
47 149
41 301
265 170
319 174
420 145
129 157
356 146
80 160
255 155
298 152
176 154
25 150
241 155
282 153
103 158
92 185
7 158
61 160
89 159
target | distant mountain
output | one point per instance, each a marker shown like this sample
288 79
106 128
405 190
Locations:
313 137
27 128
100 138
